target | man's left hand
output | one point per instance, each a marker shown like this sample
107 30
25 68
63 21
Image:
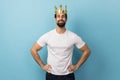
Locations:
72 68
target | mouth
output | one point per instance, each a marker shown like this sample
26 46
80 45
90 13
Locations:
60 21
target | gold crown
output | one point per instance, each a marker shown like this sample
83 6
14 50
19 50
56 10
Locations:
61 10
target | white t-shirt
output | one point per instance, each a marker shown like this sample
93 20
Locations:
60 49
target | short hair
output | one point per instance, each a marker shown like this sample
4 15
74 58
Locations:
65 16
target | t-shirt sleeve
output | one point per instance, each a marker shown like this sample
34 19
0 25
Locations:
42 41
79 43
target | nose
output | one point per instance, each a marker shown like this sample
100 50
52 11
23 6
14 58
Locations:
61 18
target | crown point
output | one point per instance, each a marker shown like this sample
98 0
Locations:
60 7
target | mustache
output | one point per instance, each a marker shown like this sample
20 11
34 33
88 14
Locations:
61 20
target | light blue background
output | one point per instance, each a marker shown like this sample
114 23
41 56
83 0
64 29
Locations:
22 22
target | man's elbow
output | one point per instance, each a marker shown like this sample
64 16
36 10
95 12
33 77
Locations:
32 51
88 51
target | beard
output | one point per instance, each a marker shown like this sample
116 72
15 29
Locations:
61 25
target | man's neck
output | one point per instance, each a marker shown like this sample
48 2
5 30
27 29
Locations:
60 30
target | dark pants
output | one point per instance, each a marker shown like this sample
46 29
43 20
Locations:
50 76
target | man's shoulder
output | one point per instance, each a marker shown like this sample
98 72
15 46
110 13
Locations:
49 32
71 33
47 35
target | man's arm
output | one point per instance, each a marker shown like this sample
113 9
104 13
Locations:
34 51
86 52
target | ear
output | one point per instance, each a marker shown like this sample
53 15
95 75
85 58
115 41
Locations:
55 19
66 19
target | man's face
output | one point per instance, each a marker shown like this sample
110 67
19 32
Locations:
60 19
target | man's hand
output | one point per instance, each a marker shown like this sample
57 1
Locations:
72 68
47 68
86 52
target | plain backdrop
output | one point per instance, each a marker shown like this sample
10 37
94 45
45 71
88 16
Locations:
22 22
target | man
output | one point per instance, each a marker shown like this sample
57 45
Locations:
60 43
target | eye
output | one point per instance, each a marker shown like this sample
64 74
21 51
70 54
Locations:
63 16
58 16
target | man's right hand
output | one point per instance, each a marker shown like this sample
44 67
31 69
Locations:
47 68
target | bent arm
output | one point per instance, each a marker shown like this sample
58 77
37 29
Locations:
34 51
86 52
